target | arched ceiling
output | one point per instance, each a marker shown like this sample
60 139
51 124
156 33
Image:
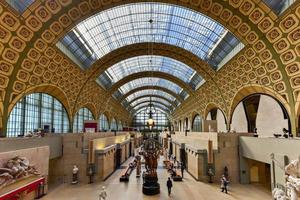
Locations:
154 103
150 63
158 107
150 81
147 99
149 22
152 94
160 23
151 74
270 58
178 97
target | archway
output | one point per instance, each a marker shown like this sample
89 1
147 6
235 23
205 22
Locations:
82 115
218 115
261 113
37 111
197 124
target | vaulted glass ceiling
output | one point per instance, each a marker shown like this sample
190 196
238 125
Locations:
129 24
157 107
148 100
150 81
149 93
152 22
150 63
153 103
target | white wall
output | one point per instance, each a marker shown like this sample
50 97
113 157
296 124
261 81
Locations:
221 121
270 118
208 116
239 120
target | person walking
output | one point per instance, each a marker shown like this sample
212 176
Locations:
103 194
169 186
224 184
182 169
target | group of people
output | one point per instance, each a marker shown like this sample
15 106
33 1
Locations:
224 185
175 164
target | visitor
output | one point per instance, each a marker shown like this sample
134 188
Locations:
224 184
103 194
182 169
169 186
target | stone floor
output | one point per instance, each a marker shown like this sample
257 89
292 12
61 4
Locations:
189 189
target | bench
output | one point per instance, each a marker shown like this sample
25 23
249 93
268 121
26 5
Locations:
177 177
125 175
126 172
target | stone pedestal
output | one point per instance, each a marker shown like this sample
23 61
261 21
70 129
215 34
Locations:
150 185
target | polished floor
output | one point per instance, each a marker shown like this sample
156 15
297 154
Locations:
189 189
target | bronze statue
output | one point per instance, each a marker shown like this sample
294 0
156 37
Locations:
151 154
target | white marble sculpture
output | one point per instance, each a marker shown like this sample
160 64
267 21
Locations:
293 179
279 194
14 169
75 174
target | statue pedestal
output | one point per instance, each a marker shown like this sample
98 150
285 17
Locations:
150 185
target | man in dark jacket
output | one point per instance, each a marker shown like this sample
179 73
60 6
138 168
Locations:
169 186
182 168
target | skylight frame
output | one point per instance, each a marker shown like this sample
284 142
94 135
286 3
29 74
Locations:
132 104
150 92
150 81
150 63
172 24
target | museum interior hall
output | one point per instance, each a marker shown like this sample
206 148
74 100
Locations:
150 99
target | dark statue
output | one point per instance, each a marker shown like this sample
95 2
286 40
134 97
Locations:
151 154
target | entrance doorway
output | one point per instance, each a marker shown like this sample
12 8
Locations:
259 173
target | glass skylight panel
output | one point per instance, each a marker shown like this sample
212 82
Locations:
184 94
20 5
149 93
154 105
221 49
149 63
129 24
150 82
278 6
148 100
117 95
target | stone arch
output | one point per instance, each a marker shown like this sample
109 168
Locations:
89 106
49 89
193 116
107 115
44 88
211 106
258 89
